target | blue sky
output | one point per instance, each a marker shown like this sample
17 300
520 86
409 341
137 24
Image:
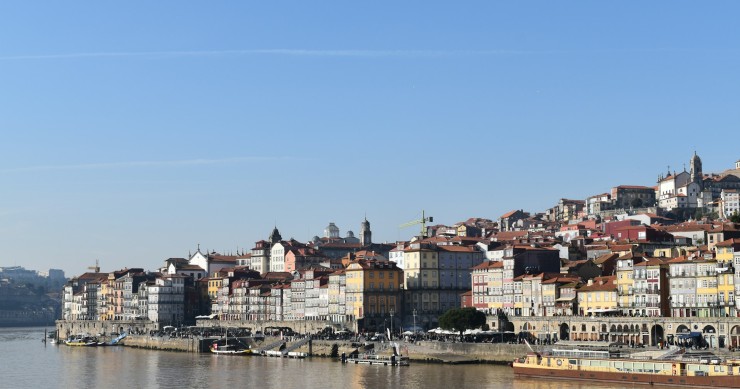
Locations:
133 132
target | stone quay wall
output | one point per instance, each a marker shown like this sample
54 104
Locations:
192 345
437 352
67 328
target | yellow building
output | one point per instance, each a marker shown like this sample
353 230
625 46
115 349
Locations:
625 281
373 294
726 252
214 284
598 296
706 288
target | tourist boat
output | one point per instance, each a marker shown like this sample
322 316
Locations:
589 365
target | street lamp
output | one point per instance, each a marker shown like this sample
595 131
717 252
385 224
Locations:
391 324
414 320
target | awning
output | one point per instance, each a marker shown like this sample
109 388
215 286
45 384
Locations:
687 335
566 299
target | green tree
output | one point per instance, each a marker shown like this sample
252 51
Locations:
636 203
735 218
462 319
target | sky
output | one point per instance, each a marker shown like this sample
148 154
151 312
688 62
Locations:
135 131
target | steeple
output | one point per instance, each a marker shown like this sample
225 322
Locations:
365 233
275 236
695 172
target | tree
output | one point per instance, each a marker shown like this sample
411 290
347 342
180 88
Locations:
462 319
636 203
735 218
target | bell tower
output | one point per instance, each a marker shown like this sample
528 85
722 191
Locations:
696 173
365 233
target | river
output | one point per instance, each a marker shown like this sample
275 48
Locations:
28 363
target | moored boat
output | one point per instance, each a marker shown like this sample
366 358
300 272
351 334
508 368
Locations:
81 340
590 365
375 359
235 348
229 350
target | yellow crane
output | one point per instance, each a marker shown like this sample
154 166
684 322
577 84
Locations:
423 221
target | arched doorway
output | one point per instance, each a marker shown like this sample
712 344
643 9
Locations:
735 336
656 335
710 336
564 332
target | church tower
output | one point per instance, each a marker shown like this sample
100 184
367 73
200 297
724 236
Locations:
275 236
696 174
365 233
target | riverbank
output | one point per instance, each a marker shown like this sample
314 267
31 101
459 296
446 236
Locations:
433 352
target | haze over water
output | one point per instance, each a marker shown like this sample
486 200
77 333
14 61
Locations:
27 363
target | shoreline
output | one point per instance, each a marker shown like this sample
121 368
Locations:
422 351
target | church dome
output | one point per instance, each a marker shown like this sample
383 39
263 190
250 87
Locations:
331 231
350 234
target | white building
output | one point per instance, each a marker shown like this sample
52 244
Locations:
166 299
730 202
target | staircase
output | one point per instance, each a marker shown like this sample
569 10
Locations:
296 345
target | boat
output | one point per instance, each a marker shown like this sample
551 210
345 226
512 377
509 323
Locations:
673 368
376 359
372 358
236 348
81 341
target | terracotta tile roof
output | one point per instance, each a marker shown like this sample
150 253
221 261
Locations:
600 284
606 258
510 235
734 242
459 249
488 265
509 214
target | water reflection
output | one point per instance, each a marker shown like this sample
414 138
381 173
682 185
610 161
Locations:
26 362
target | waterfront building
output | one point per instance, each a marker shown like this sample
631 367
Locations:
598 297
557 293
337 296
482 286
728 255
651 288
682 286
625 282
165 300
128 286
373 292
421 282
706 288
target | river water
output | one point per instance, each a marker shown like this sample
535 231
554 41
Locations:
26 362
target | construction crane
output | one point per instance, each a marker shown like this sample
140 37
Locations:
423 221
96 268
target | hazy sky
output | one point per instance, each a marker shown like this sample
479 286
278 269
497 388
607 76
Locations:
133 131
